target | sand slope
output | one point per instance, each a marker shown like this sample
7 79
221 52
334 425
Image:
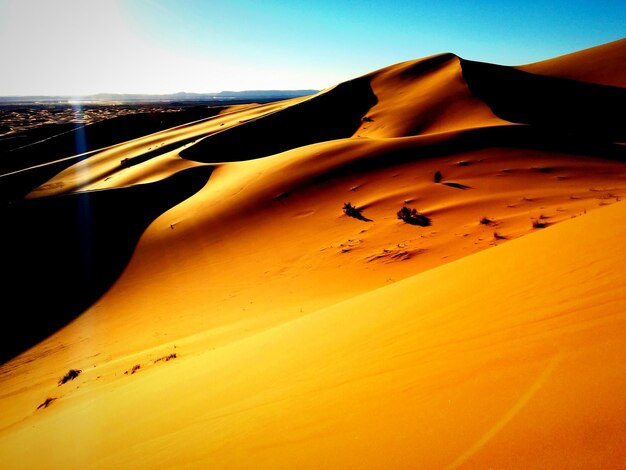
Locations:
509 358
272 330
603 64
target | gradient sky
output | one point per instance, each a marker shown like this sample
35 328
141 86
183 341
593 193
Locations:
75 47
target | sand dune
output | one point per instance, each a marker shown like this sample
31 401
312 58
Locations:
465 364
273 330
603 64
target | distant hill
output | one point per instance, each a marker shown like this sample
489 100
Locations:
150 98
267 93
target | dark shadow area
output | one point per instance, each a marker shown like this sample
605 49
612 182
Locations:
457 185
145 156
567 106
335 114
61 253
54 141
16 186
517 137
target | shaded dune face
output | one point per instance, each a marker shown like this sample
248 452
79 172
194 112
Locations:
558 105
334 114
16 186
65 251
58 141
384 154
54 141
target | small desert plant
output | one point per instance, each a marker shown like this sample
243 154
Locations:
71 375
166 358
411 216
497 236
486 221
438 177
134 369
46 403
540 222
355 212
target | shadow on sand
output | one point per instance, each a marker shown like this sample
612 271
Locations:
562 105
335 114
51 142
61 253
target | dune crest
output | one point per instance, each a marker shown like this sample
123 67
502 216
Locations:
423 97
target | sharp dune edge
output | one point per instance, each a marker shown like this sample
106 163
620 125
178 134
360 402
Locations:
224 312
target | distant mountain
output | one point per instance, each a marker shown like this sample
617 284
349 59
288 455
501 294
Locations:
151 98
267 93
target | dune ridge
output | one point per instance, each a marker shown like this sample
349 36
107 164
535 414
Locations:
297 335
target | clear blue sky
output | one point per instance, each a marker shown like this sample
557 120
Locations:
162 46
